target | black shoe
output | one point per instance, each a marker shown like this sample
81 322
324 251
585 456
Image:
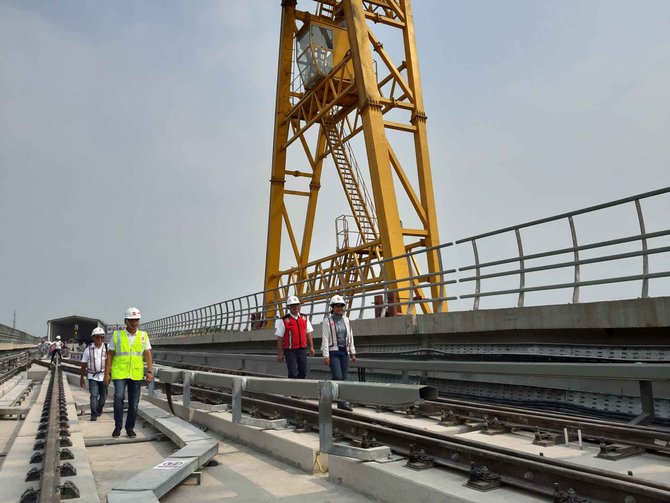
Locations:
94 418
345 406
131 433
116 432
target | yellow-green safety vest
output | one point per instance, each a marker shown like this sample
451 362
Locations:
128 362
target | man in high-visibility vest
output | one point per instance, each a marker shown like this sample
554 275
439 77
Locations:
127 352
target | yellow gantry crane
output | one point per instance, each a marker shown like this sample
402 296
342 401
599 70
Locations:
335 81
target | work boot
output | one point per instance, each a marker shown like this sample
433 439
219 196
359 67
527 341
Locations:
116 432
131 433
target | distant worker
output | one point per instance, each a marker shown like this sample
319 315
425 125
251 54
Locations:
127 352
294 333
337 343
45 347
56 348
93 361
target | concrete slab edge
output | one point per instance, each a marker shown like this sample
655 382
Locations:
197 449
297 449
118 496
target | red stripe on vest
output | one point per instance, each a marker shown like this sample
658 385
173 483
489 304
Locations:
295 336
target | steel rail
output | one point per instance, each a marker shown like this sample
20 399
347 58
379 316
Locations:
650 438
530 472
20 362
50 477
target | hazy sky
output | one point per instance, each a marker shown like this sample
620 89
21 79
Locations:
136 137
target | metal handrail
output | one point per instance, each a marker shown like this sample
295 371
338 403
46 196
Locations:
12 335
251 311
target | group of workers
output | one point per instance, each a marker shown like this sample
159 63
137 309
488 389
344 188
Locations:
294 339
122 360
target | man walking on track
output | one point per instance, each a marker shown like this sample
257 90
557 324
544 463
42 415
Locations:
93 361
127 352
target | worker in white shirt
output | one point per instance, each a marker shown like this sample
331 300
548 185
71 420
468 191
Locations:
56 349
93 361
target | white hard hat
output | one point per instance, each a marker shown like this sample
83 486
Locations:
292 300
132 313
336 299
97 331
58 337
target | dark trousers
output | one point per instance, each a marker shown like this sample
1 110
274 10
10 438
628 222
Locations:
133 387
98 391
339 365
53 355
296 363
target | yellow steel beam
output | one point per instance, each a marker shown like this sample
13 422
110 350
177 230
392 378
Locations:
415 232
379 49
375 142
299 174
407 186
303 193
314 187
406 128
291 236
281 130
367 100
421 141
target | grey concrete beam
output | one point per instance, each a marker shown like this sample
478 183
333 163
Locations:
384 393
642 314
163 477
622 371
118 496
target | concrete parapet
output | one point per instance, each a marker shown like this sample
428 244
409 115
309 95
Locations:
297 449
602 320
197 448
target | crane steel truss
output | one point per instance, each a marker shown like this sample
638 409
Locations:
341 96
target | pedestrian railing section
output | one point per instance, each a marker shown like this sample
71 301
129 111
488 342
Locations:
380 394
621 247
13 336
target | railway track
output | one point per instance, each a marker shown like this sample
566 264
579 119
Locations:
549 427
14 361
546 424
51 447
486 466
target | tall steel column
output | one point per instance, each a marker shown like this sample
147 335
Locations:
351 96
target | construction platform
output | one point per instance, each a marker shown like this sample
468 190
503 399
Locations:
219 459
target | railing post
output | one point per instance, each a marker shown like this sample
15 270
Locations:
478 280
327 393
238 386
522 269
186 393
440 277
645 256
575 247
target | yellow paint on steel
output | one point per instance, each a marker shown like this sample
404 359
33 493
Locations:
425 176
281 130
376 146
351 89
317 164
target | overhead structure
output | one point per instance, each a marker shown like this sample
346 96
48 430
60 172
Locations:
335 80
